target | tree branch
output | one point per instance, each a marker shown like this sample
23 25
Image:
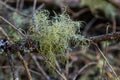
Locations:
106 37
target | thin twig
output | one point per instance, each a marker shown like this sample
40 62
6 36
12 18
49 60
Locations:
25 65
89 26
15 28
83 68
67 63
12 9
40 7
20 67
21 4
5 1
39 67
79 13
34 5
11 64
57 65
62 75
105 53
17 4
4 33
58 72
114 24
106 60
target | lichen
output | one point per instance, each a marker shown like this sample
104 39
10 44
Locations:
54 34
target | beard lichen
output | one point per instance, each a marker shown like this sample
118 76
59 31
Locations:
54 34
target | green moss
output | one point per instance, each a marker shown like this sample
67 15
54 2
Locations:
54 34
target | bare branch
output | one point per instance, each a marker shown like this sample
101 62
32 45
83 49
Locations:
15 77
14 27
106 37
12 9
83 68
39 67
25 65
106 60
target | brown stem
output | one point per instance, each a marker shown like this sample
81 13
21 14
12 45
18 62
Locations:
14 27
25 65
106 37
83 68
12 9
106 60
11 64
39 67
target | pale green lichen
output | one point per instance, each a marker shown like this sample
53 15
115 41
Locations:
54 34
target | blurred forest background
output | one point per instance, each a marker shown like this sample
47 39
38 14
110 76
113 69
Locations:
20 57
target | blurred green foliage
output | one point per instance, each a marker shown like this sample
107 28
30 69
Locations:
102 5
